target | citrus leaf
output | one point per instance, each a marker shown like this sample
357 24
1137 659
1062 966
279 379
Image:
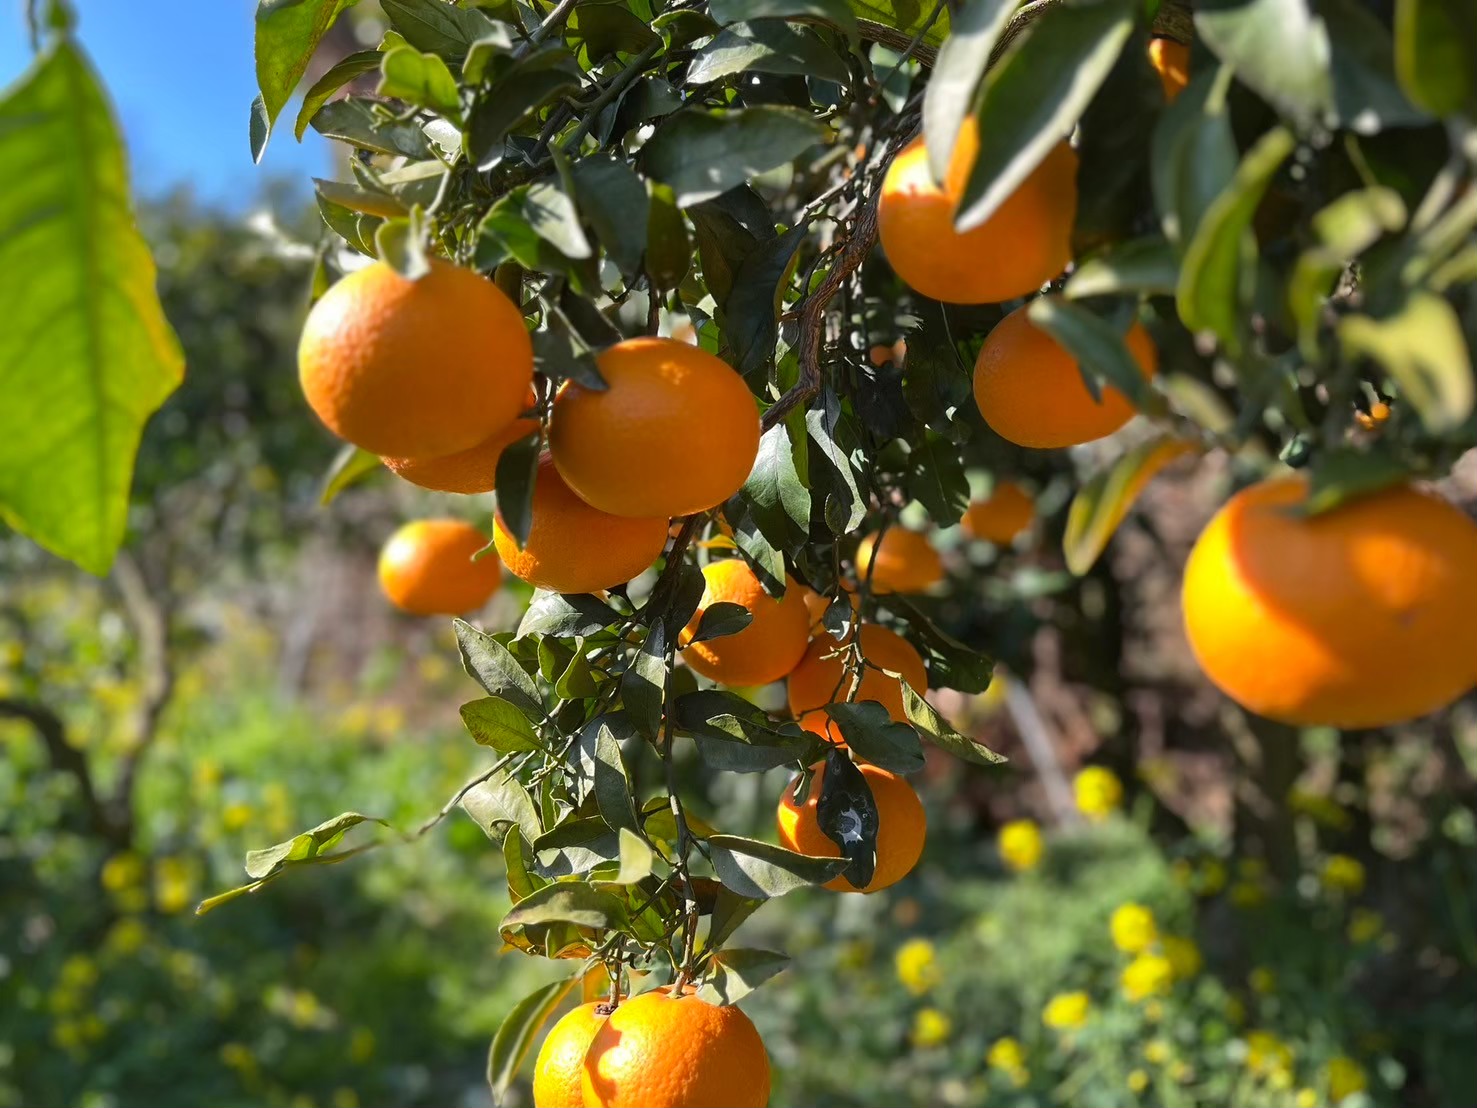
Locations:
88 356
575 902
363 123
1436 54
1194 154
636 858
1100 505
1097 346
287 33
516 474
951 663
766 46
306 848
752 868
908 16
517 1032
1421 346
422 79
1345 474
495 723
441 28
350 466
956 76
561 615
602 770
1279 48
833 12
776 497
500 801
876 738
1145 265
846 813
355 65
644 684
720 620
613 198
668 249
703 153
734 974
930 723
490 664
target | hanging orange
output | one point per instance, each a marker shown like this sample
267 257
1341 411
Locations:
902 827
467 471
904 561
821 678
764 651
1001 516
426 568
558 1072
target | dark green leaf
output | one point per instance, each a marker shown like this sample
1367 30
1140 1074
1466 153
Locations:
287 33
527 85
500 801
750 321
1343 474
576 845
573 902
517 470
1421 346
703 153
305 848
668 250
830 464
350 466
644 684
767 562
401 244
612 197
728 756
602 769
1280 49
355 65
936 478
722 619
777 499
1146 265
1366 94
659 822
957 71
500 725
370 201
488 662
734 974
608 26
951 663
516 1035
365 124
1194 155
1097 346
562 615
907 16
727 716
930 723
846 813
756 869
518 861
442 28
766 46
675 598
729 911
873 735
487 54
355 229
561 353
1436 54
678 28
1100 505
833 12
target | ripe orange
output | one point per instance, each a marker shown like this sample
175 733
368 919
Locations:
426 568
573 547
415 369
467 471
1363 616
1171 60
905 562
1031 392
816 605
820 680
558 1073
1023 245
1001 516
770 647
901 827
661 1051
675 433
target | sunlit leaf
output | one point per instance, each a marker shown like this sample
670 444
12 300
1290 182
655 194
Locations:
1421 346
1101 504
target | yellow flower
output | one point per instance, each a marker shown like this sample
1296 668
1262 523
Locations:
1181 1071
1007 1056
207 775
1235 1010
1133 928
1156 1052
917 966
1211 877
122 872
361 1045
67 1034
1183 954
1154 1011
1365 926
174 885
1267 1055
931 1027
1262 981
126 936
1138 1081
1342 874
236 815
1098 792
1066 1011
1344 1078
238 1056
1146 976
1020 845
1322 809
1306 1098
79 973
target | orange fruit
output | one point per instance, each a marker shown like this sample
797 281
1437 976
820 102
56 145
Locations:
1171 60
662 1051
901 827
415 369
467 471
1363 616
770 647
573 547
676 432
820 680
904 561
426 568
1001 516
558 1072
1018 249
1031 392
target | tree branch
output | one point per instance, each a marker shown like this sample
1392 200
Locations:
151 622
66 758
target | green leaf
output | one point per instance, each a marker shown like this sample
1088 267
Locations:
1366 93
573 902
637 858
644 684
728 756
1436 54
956 76
727 716
668 249
516 1034
439 27
1100 505
676 597
613 198
500 725
516 473
832 12
951 663
527 85
287 33
831 468
350 466
602 771
422 79
681 28
1279 48
608 26
487 53
561 615
846 813
366 124
720 620
305 848
765 559
518 861
88 356
1097 346
576 845
1421 346
755 869
355 229
358 198
1030 101
930 723
499 801
750 310
659 823
873 735
703 153
1343 474
729 911
355 65
1211 294
936 478
1145 265
734 974
1194 154
776 497
488 662
766 46
908 16
401 244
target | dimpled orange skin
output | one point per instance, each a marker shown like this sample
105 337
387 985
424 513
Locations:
660 1051
902 827
675 433
467 471
558 1073
905 562
1026 243
1363 616
426 568
819 680
1030 391
415 369
1171 60
573 547
1001 516
770 647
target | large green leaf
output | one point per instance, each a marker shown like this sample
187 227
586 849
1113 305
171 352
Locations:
834 12
1102 502
701 154
88 355
956 76
1422 348
514 1038
907 16
1436 53
766 46
287 33
1280 48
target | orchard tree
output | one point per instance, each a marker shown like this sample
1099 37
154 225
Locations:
746 292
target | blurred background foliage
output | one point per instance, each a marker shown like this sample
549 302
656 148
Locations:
1150 930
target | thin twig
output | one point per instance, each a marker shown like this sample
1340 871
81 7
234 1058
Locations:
554 20
66 758
461 794
617 86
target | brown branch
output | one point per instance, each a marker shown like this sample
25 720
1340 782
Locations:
1175 20
66 758
151 623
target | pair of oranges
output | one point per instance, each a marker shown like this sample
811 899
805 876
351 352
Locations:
435 375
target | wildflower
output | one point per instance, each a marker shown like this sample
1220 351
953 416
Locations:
174 885
236 815
1146 976
238 1056
1007 1056
1343 875
126 936
1267 1055
206 774
1365 926
79 973
122 872
1322 810
1262 980
67 1034
1066 1011
1020 845
1211 877
931 1027
1099 792
361 1045
1138 1081
1156 1052
1183 954
1344 1078
1154 1011
1133 928
1181 1072
917 966
1306 1098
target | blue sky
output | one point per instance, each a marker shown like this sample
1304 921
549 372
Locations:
181 77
